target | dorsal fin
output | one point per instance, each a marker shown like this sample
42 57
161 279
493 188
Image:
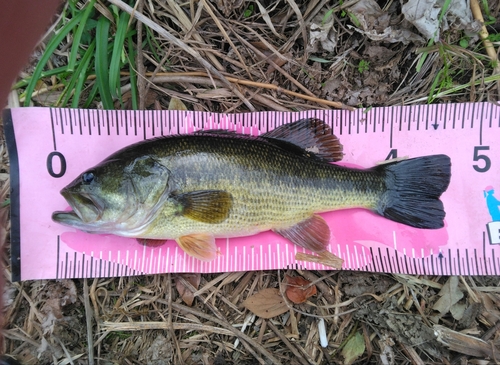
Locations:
312 135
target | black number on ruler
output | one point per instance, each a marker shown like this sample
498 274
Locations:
393 154
62 161
479 157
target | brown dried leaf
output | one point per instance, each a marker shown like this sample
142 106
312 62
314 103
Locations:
184 292
176 104
299 289
450 295
56 296
267 303
227 6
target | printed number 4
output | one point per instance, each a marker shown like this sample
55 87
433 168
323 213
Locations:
393 154
479 157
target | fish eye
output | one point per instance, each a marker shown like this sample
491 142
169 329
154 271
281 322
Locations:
87 177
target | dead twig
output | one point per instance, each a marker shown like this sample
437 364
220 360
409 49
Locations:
170 324
465 344
490 49
142 326
139 60
182 77
88 317
288 344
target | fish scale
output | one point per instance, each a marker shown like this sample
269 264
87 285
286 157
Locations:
274 189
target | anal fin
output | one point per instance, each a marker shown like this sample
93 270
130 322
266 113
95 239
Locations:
313 234
199 245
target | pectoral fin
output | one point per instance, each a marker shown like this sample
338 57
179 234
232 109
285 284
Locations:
312 234
207 206
200 245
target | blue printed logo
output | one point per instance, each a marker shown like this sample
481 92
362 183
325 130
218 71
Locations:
493 205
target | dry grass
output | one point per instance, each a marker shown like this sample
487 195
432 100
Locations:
221 59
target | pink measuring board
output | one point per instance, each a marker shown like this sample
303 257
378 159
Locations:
48 148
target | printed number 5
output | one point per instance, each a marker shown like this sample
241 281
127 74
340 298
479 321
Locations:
478 157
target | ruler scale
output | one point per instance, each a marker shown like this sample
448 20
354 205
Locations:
49 147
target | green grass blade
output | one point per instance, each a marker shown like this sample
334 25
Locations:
101 62
150 39
80 73
133 73
327 15
319 59
62 71
52 45
115 64
78 35
82 76
422 59
435 87
444 9
91 96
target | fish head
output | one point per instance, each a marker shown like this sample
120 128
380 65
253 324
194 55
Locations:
118 196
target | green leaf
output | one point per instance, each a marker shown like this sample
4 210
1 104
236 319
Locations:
327 15
88 34
353 349
49 50
115 64
248 12
464 43
363 66
354 19
77 38
101 62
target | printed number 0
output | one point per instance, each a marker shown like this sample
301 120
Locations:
62 161
478 157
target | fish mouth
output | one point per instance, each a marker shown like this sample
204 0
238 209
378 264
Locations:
85 209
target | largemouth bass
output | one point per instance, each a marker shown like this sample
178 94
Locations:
209 184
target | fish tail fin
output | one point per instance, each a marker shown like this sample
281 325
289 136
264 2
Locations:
413 190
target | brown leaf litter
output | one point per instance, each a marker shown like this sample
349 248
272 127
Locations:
298 289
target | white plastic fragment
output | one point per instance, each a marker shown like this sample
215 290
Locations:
248 320
284 318
323 340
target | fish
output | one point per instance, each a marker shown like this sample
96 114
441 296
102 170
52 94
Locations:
194 188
